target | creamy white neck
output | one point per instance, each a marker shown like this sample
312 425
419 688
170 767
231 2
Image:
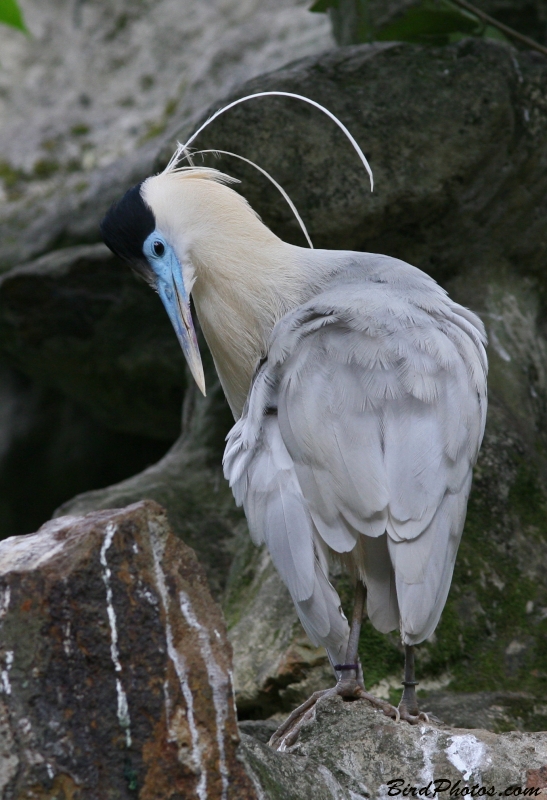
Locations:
245 277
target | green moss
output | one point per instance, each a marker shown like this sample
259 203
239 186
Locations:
79 130
527 498
489 639
153 129
45 168
157 127
147 81
10 176
170 108
380 655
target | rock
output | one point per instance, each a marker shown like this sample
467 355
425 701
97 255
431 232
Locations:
494 711
529 18
103 84
79 318
52 448
115 665
275 665
451 134
188 482
349 751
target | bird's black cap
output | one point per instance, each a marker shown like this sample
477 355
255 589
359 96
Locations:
125 227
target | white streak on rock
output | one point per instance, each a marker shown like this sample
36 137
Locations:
25 726
5 596
109 535
123 712
467 754
123 708
67 647
428 743
217 681
4 675
180 667
231 674
171 735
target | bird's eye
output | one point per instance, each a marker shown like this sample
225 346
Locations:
159 248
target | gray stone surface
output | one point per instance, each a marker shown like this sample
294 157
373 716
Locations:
457 140
351 752
85 99
493 711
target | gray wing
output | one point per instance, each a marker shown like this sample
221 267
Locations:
262 476
379 407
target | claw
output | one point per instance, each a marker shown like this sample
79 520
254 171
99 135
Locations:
287 733
414 719
295 720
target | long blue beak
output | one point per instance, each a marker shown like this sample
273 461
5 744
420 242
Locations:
174 297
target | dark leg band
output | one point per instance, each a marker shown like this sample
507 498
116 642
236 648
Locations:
343 667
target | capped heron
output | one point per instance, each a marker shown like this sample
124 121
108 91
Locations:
359 392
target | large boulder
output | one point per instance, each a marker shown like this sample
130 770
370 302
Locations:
86 102
116 670
349 751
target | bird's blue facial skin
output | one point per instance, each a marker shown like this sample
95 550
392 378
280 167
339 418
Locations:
166 267
170 287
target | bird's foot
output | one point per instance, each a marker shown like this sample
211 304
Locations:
348 688
412 715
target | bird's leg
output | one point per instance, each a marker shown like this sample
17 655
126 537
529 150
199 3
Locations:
350 685
354 633
408 707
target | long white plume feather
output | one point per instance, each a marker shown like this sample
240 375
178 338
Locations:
183 148
275 183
